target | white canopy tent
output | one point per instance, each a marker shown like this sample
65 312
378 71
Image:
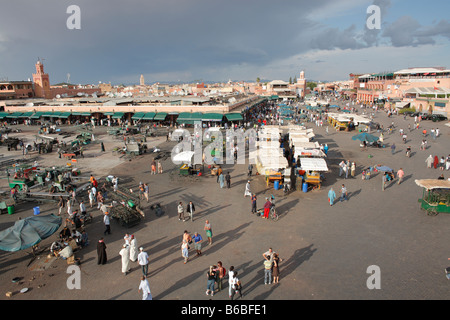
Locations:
313 164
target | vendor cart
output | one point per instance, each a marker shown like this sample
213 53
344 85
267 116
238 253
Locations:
436 196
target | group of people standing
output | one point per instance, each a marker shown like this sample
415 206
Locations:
443 163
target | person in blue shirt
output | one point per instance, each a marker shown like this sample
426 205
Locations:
198 243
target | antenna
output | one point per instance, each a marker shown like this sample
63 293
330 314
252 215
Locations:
68 78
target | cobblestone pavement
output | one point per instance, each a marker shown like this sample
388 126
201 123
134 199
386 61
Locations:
326 251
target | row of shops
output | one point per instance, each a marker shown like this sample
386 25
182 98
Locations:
185 118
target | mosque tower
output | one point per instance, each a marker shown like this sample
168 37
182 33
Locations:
41 82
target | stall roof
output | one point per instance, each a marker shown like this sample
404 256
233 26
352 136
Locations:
234 117
117 115
137 116
161 116
433 183
212 117
148 116
313 164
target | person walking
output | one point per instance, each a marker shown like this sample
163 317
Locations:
383 182
107 223
190 209
180 211
160 168
185 251
247 191
153 167
208 230
146 191
267 207
198 243
211 276
133 248
125 254
235 285
61 205
230 277
353 170
228 179
145 288
221 180
254 203
331 196
250 170
102 257
344 193
400 175
143 261
393 148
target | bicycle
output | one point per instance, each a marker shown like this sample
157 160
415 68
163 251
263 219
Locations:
273 214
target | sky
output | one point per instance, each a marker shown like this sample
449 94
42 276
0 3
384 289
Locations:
219 40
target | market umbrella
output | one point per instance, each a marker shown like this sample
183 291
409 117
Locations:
365 137
384 168
28 232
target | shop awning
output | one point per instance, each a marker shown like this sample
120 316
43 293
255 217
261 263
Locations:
160 116
117 115
212 117
3 115
148 116
184 116
26 114
138 116
234 117
54 115
109 113
64 115
14 115
37 115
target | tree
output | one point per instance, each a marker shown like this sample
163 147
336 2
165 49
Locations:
290 80
258 80
311 85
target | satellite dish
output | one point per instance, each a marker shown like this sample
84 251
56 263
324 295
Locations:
58 96
94 95
80 94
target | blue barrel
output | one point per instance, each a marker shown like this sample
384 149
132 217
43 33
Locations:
276 185
36 211
305 187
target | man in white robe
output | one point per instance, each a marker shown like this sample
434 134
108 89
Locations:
133 249
145 287
125 253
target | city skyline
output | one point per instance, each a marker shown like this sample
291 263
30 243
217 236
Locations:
214 41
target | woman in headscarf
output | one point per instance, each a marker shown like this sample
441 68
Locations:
221 180
429 161
331 196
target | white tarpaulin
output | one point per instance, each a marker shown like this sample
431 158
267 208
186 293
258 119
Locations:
183 157
308 152
313 164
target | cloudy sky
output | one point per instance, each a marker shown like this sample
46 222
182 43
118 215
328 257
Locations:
217 40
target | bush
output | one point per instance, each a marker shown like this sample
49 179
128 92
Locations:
401 111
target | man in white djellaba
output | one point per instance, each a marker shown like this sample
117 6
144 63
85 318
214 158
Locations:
145 287
125 253
133 249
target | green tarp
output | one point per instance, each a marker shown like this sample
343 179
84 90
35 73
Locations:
137 116
148 116
14 115
117 115
160 116
212 117
234 117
